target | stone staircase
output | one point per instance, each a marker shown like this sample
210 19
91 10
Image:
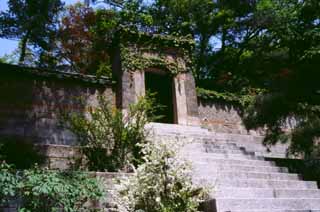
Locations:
242 180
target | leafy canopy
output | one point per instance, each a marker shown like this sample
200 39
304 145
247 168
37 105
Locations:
294 40
31 22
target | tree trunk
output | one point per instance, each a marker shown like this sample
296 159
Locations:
204 40
23 47
223 39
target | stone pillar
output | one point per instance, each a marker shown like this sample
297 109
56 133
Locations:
127 90
192 100
139 84
180 100
185 100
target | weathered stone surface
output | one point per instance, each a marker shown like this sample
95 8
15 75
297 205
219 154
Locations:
132 81
31 106
221 117
239 180
192 106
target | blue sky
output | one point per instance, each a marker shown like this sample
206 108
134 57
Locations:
7 46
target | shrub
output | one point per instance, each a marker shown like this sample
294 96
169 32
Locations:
161 184
8 184
109 137
47 191
50 191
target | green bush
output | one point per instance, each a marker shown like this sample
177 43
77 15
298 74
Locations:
161 184
109 137
47 191
8 184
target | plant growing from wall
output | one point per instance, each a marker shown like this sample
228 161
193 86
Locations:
242 99
161 184
109 137
134 44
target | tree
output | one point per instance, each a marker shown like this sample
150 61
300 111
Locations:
30 21
293 35
211 24
84 39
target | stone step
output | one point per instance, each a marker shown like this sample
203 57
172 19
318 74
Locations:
250 145
316 210
215 167
257 146
224 205
259 193
240 156
211 145
258 150
275 155
239 138
280 152
154 125
258 183
184 137
258 175
245 162
214 150
235 166
178 130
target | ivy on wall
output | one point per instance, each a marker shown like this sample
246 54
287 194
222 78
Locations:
156 40
134 44
241 99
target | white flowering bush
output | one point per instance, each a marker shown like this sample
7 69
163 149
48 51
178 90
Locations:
161 184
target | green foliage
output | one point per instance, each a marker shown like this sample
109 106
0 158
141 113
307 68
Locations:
155 41
47 191
134 15
161 184
294 92
32 22
50 191
275 110
11 58
109 137
242 99
84 39
133 44
8 184
133 61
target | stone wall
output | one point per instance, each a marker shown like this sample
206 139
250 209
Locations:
226 117
32 101
221 116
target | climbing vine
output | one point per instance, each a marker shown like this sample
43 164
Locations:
133 46
242 99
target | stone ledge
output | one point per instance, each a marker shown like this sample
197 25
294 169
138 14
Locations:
38 72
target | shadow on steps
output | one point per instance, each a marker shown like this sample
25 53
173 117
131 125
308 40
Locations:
308 169
209 206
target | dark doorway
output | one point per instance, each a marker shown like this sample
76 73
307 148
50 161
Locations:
161 85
